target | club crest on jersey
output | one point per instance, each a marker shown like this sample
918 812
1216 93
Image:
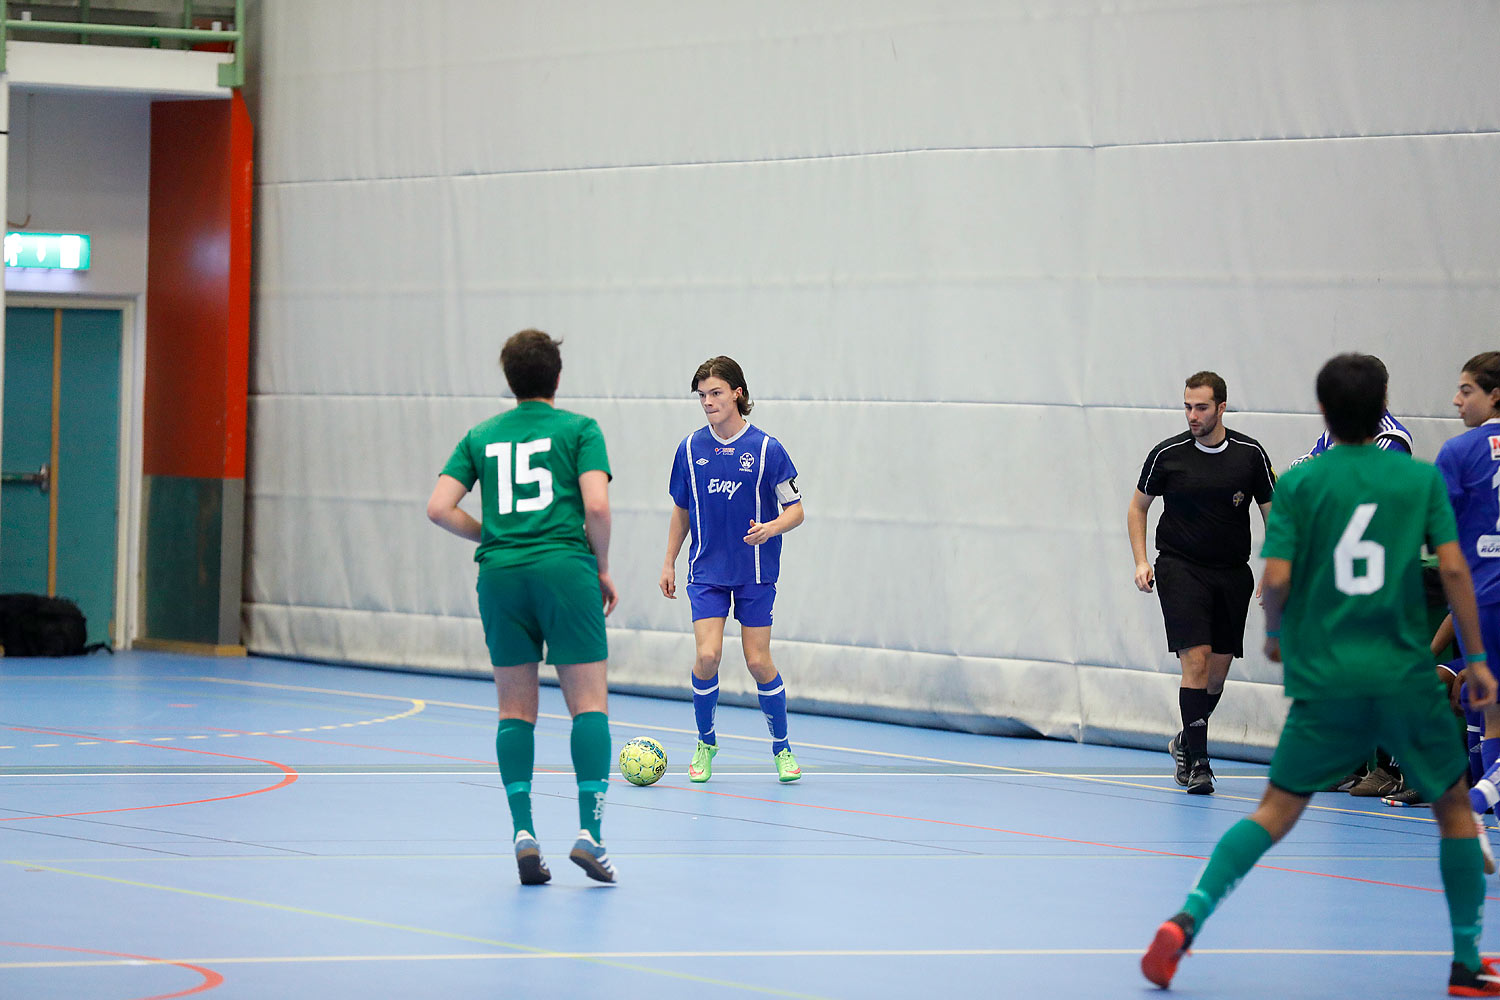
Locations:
729 487
723 451
1239 498
747 460
1494 449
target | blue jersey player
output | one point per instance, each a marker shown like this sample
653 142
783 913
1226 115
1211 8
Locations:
1392 435
734 490
1470 464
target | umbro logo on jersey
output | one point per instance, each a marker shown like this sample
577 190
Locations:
728 486
702 461
747 460
1495 449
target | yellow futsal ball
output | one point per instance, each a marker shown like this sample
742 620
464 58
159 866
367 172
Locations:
643 760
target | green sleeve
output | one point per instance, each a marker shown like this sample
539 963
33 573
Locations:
1281 526
1441 525
592 456
461 465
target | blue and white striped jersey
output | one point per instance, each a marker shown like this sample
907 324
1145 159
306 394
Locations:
1391 437
724 485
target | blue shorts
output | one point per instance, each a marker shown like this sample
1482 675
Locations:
1489 634
752 602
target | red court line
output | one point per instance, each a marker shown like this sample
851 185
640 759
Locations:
211 978
1049 836
288 776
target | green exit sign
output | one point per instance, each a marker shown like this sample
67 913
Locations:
55 251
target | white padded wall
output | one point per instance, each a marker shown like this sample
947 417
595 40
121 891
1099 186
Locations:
966 251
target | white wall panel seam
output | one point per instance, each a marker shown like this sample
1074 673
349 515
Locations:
865 154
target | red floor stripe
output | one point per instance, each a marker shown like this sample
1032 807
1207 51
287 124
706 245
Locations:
289 776
211 978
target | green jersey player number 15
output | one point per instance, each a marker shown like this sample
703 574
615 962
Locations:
522 473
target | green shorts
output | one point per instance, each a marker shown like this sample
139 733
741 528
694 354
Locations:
1326 739
556 602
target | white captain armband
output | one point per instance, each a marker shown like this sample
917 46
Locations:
787 492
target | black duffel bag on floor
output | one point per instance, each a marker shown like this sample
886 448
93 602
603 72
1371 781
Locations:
37 625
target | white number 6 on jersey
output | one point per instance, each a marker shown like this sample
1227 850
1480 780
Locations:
1352 546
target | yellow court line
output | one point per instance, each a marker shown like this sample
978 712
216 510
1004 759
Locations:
529 950
610 956
1001 768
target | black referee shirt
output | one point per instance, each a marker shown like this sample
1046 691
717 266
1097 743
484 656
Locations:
1207 494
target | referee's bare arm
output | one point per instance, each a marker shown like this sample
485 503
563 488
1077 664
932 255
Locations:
1135 520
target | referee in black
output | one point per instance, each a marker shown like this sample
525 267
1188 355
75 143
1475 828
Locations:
1207 476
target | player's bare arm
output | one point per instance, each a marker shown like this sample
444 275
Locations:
594 488
1458 587
1444 637
443 510
1135 521
1275 585
789 519
677 532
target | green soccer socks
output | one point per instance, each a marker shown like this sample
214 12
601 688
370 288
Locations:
591 754
1234 855
515 749
1462 863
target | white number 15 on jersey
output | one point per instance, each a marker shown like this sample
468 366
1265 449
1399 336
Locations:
524 473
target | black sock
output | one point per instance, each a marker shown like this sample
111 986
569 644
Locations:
1194 704
1213 702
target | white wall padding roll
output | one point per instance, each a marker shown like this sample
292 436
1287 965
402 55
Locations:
966 252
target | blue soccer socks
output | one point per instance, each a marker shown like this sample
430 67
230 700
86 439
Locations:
772 696
705 707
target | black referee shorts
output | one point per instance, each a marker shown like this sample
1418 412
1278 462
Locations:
1204 605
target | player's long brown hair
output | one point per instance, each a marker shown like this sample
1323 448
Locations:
728 369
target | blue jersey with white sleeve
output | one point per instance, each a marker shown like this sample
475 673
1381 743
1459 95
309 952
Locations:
724 485
1392 436
1470 464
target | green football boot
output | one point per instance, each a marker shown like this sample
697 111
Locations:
702 767
786 766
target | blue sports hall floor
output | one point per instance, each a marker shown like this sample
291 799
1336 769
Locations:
176 826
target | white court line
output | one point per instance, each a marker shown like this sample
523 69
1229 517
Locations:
755 775
804 953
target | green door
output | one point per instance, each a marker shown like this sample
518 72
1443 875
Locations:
62 411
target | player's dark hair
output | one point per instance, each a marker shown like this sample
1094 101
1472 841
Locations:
727 369
1198 380
1351 388
1486 370
532 364
1385 376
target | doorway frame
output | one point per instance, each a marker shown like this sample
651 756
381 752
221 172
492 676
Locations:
130 440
